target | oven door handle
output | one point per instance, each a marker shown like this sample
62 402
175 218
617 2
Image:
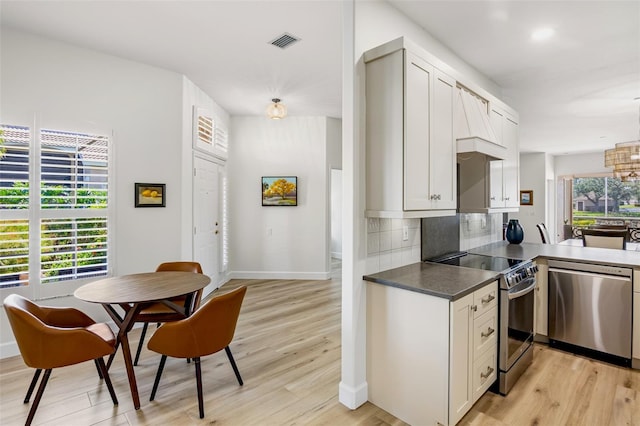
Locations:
528 289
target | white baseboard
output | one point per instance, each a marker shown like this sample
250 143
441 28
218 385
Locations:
269 275
9 349
353 397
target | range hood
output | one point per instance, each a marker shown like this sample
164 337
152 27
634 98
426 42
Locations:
474 131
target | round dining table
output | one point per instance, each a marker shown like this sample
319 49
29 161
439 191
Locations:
134 292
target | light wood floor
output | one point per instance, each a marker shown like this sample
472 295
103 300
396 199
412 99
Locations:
287 347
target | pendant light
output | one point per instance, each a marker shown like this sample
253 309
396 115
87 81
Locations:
276 110
625 159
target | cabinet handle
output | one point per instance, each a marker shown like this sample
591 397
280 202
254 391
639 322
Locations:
474 308
487 374
488 299
507 199
489 332
493 198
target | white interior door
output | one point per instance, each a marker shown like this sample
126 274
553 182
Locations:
207 219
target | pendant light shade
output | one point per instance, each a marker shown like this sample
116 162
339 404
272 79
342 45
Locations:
625 160
276 110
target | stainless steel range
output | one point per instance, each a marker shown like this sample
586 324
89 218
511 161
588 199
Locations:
516 305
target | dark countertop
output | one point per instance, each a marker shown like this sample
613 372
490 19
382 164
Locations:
628 258
453 282
446 281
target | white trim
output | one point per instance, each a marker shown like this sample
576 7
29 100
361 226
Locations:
336 254
9 349
353 397
279 275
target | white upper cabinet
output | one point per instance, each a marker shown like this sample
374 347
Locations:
504 174
488 185
409 132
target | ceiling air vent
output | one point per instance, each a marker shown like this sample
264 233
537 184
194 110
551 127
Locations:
285 40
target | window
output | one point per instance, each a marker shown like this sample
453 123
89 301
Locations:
604 198
62 230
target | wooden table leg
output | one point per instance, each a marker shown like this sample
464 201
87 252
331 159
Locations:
128 362
125 326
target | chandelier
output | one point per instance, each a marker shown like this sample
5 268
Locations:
625 159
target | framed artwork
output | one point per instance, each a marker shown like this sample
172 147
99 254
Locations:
150 195
526 198
279 190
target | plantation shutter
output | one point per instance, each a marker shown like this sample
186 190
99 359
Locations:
74 200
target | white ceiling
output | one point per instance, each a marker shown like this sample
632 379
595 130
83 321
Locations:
574 93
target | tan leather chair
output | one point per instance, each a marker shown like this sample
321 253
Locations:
609 238
51 337
159 312
209 330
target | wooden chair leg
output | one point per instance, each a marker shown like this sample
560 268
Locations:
36 376
36 402
107 380
233 364
158 374
196 361
141 342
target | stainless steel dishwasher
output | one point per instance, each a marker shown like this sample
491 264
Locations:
590 306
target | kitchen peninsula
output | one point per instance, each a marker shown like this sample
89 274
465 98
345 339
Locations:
431 349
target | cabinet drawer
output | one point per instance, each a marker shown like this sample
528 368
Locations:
484 373
485 331
485 298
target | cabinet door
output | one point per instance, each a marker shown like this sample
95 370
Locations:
636 325
485 332
496 197
542 301
417 92
461 358
510 172
484 373
442 152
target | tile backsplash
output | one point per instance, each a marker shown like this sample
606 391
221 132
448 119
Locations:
478 229
389 247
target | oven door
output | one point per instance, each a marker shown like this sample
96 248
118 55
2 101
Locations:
516 321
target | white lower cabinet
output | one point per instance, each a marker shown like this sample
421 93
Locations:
541 312
636 320
429 359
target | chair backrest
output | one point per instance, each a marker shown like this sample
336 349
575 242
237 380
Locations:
208 330
544 234
180 266
610 238
185 267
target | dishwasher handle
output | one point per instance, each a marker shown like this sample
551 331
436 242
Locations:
590 274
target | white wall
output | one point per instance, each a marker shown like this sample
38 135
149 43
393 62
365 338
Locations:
279 242
533 175
577 164
75 89
336 213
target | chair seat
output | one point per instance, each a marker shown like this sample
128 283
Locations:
104 332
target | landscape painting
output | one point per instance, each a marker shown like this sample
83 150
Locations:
279 191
